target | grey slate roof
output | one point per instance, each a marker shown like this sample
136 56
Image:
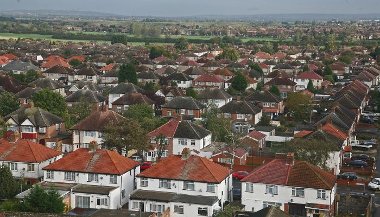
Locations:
46 83
178 77
187 129
124 88
28 92
181 102
194 71
58 69
147 75
132 99
173 197
19 65
240 107
93 189
38 116
264 96
86 96
88 71
213 93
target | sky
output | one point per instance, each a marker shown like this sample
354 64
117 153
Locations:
199 7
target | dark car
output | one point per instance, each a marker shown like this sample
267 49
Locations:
240 174
357 163
363 157
145 165
348 176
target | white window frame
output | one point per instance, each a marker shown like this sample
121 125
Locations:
165 183
211 187
192 142
113 179
144 182
90 133
102 201
135 205
13 166
69 176
49 174
188 185
42 130
269 203
201 211
179 209
271 189
249 187
92 177
298 192
182 141
31 168
321 194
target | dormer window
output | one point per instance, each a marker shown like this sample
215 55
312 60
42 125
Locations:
42 130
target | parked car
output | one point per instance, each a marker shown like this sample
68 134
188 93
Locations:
357 163
347 176
374 184
137 158
145 165
239 174
363 157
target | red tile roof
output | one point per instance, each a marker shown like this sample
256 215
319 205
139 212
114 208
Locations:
108 67
10 56
222 72
263 55
256 135
168 129
329 128
302 133
54 61
101 161
4 60
299 174
309 75
209 78
80 58
194 168
25 151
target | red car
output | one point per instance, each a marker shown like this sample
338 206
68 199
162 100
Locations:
239 174
145 165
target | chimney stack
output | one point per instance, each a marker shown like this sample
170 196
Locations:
93 146
12 136
186 153
290 158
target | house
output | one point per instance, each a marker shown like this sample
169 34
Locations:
214 97
225 73
180 80
120 90
270 104
255 140
177 135
261 57
121 105
296 187
95 99
34 123
184 186
91 129
108 68
25 158
194 72
170 92
47 83
86 73
303 79
147 77
208 81
102 178
284 85
183 107
25 96
53 60
109 78
223 154
58 72
19 67
241 111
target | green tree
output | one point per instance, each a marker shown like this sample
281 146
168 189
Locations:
162 145
219 126
127 72
125 135
119 38
181 43
229 210
239 82
330 43
274 89
156 51
77 113
75 63
191 92
144 114
8 103
299 105
50 101
229 53
42 201
310 86
264 121
9 187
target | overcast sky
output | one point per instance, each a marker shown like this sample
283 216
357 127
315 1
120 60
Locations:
199 7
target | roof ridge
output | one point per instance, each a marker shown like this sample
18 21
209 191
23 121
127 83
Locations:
196 132
31 149
42 116
114 163
313 168
201 158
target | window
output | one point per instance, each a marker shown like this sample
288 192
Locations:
210 187
100 135
92 177
272 189
50 174
42 130
164 183
144 182
249 187
113 179
27 129
123 193
267 203
90 133
183 111
102 201
31 168
240 116
135 205
13 166
182 141
69 176
202 211
298 192
57 127
178 209
192 142
82 202
169 113
321 194
225 160
227 115
188 185
157 208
